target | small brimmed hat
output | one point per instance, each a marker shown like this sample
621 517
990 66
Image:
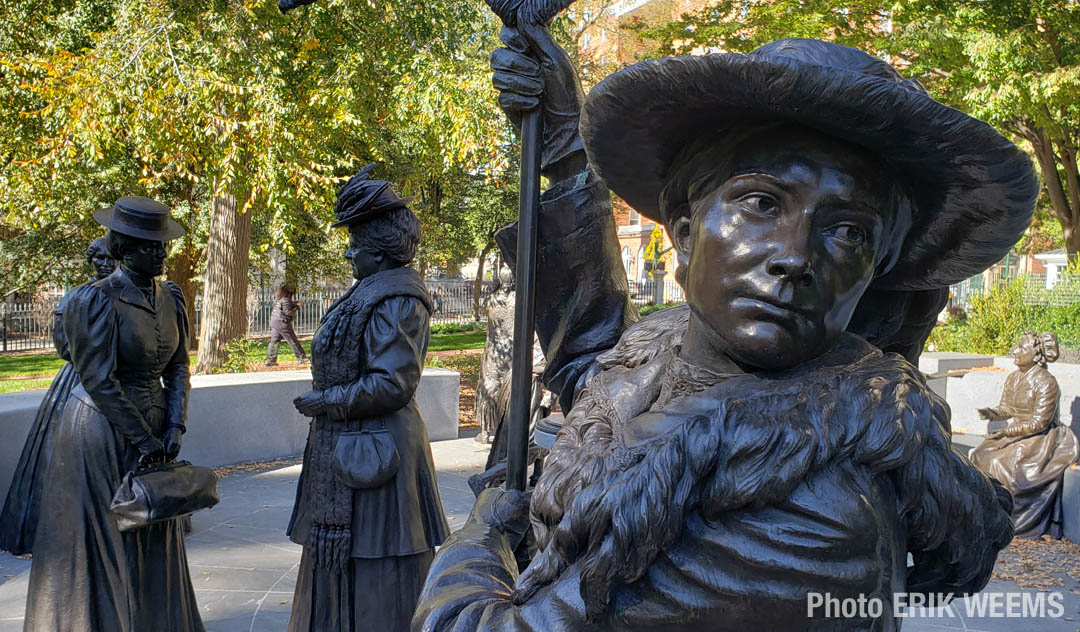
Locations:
361 199
973 191
140 217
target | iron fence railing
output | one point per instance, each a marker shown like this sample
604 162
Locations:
27 325
644 292
453 305
1062 290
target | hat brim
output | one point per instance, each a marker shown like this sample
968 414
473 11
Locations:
371 213
973 190
107 218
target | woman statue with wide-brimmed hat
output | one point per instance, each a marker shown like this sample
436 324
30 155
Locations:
724 460
126 336
369 524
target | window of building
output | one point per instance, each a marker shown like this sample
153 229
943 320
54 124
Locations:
635 218
585 42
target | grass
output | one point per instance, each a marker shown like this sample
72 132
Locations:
28 372
458 341
29 365
15 386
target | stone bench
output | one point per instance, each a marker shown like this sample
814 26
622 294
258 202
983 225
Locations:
238 417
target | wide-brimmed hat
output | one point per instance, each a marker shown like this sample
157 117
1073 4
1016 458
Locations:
361 199
973 191
140 217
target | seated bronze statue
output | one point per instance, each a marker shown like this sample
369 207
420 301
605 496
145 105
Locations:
1030 454
770 439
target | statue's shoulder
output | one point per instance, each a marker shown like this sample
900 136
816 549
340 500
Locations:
648 338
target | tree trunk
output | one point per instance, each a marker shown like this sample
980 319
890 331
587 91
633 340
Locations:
478 282
1055 189
224 308
182 272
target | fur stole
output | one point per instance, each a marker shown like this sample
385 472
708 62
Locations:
613 498
337 358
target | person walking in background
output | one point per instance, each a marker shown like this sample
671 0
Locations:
281 328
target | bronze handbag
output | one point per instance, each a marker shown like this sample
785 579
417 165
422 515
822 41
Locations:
161 492
366 459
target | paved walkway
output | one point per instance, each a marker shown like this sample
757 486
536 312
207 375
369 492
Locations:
242 565
244 568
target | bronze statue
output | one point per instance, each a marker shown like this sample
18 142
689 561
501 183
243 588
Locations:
722 460
493 387
1029 456
367 547
126 336
19 517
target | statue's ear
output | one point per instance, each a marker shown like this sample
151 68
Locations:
378 257
683 241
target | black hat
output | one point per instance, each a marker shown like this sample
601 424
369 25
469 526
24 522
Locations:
140 217
972 190
360 199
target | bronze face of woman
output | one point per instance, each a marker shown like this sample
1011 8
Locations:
1024 353
781 242
365 261
97 255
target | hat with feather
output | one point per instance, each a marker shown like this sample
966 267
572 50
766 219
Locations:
362 199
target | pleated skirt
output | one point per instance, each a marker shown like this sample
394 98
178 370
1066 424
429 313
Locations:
371 595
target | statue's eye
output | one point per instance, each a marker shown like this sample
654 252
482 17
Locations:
850 233
760 204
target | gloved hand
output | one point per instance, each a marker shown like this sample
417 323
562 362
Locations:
310 404
506 511
150 446
534 69
173 438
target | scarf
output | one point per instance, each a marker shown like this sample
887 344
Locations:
337 358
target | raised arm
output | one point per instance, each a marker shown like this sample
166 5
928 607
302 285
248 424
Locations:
582 296
90 323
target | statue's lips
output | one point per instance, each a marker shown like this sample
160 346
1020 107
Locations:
771 307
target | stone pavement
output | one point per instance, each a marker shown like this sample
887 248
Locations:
242 565
244 568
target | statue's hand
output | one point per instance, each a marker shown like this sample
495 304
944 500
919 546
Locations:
989 414
173 439
310 404
506 511
531 70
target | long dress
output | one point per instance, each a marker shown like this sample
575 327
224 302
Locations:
130 353
679 499
19 517
367 551
1031 457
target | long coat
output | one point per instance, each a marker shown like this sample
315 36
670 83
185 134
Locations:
370 372
130 354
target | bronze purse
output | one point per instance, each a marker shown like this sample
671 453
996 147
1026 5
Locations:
163 492
366 459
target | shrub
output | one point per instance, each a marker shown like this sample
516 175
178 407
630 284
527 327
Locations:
998 318
454 328
645 310
236 355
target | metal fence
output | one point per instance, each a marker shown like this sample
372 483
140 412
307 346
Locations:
1063 290
644 292
453 305
27 326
